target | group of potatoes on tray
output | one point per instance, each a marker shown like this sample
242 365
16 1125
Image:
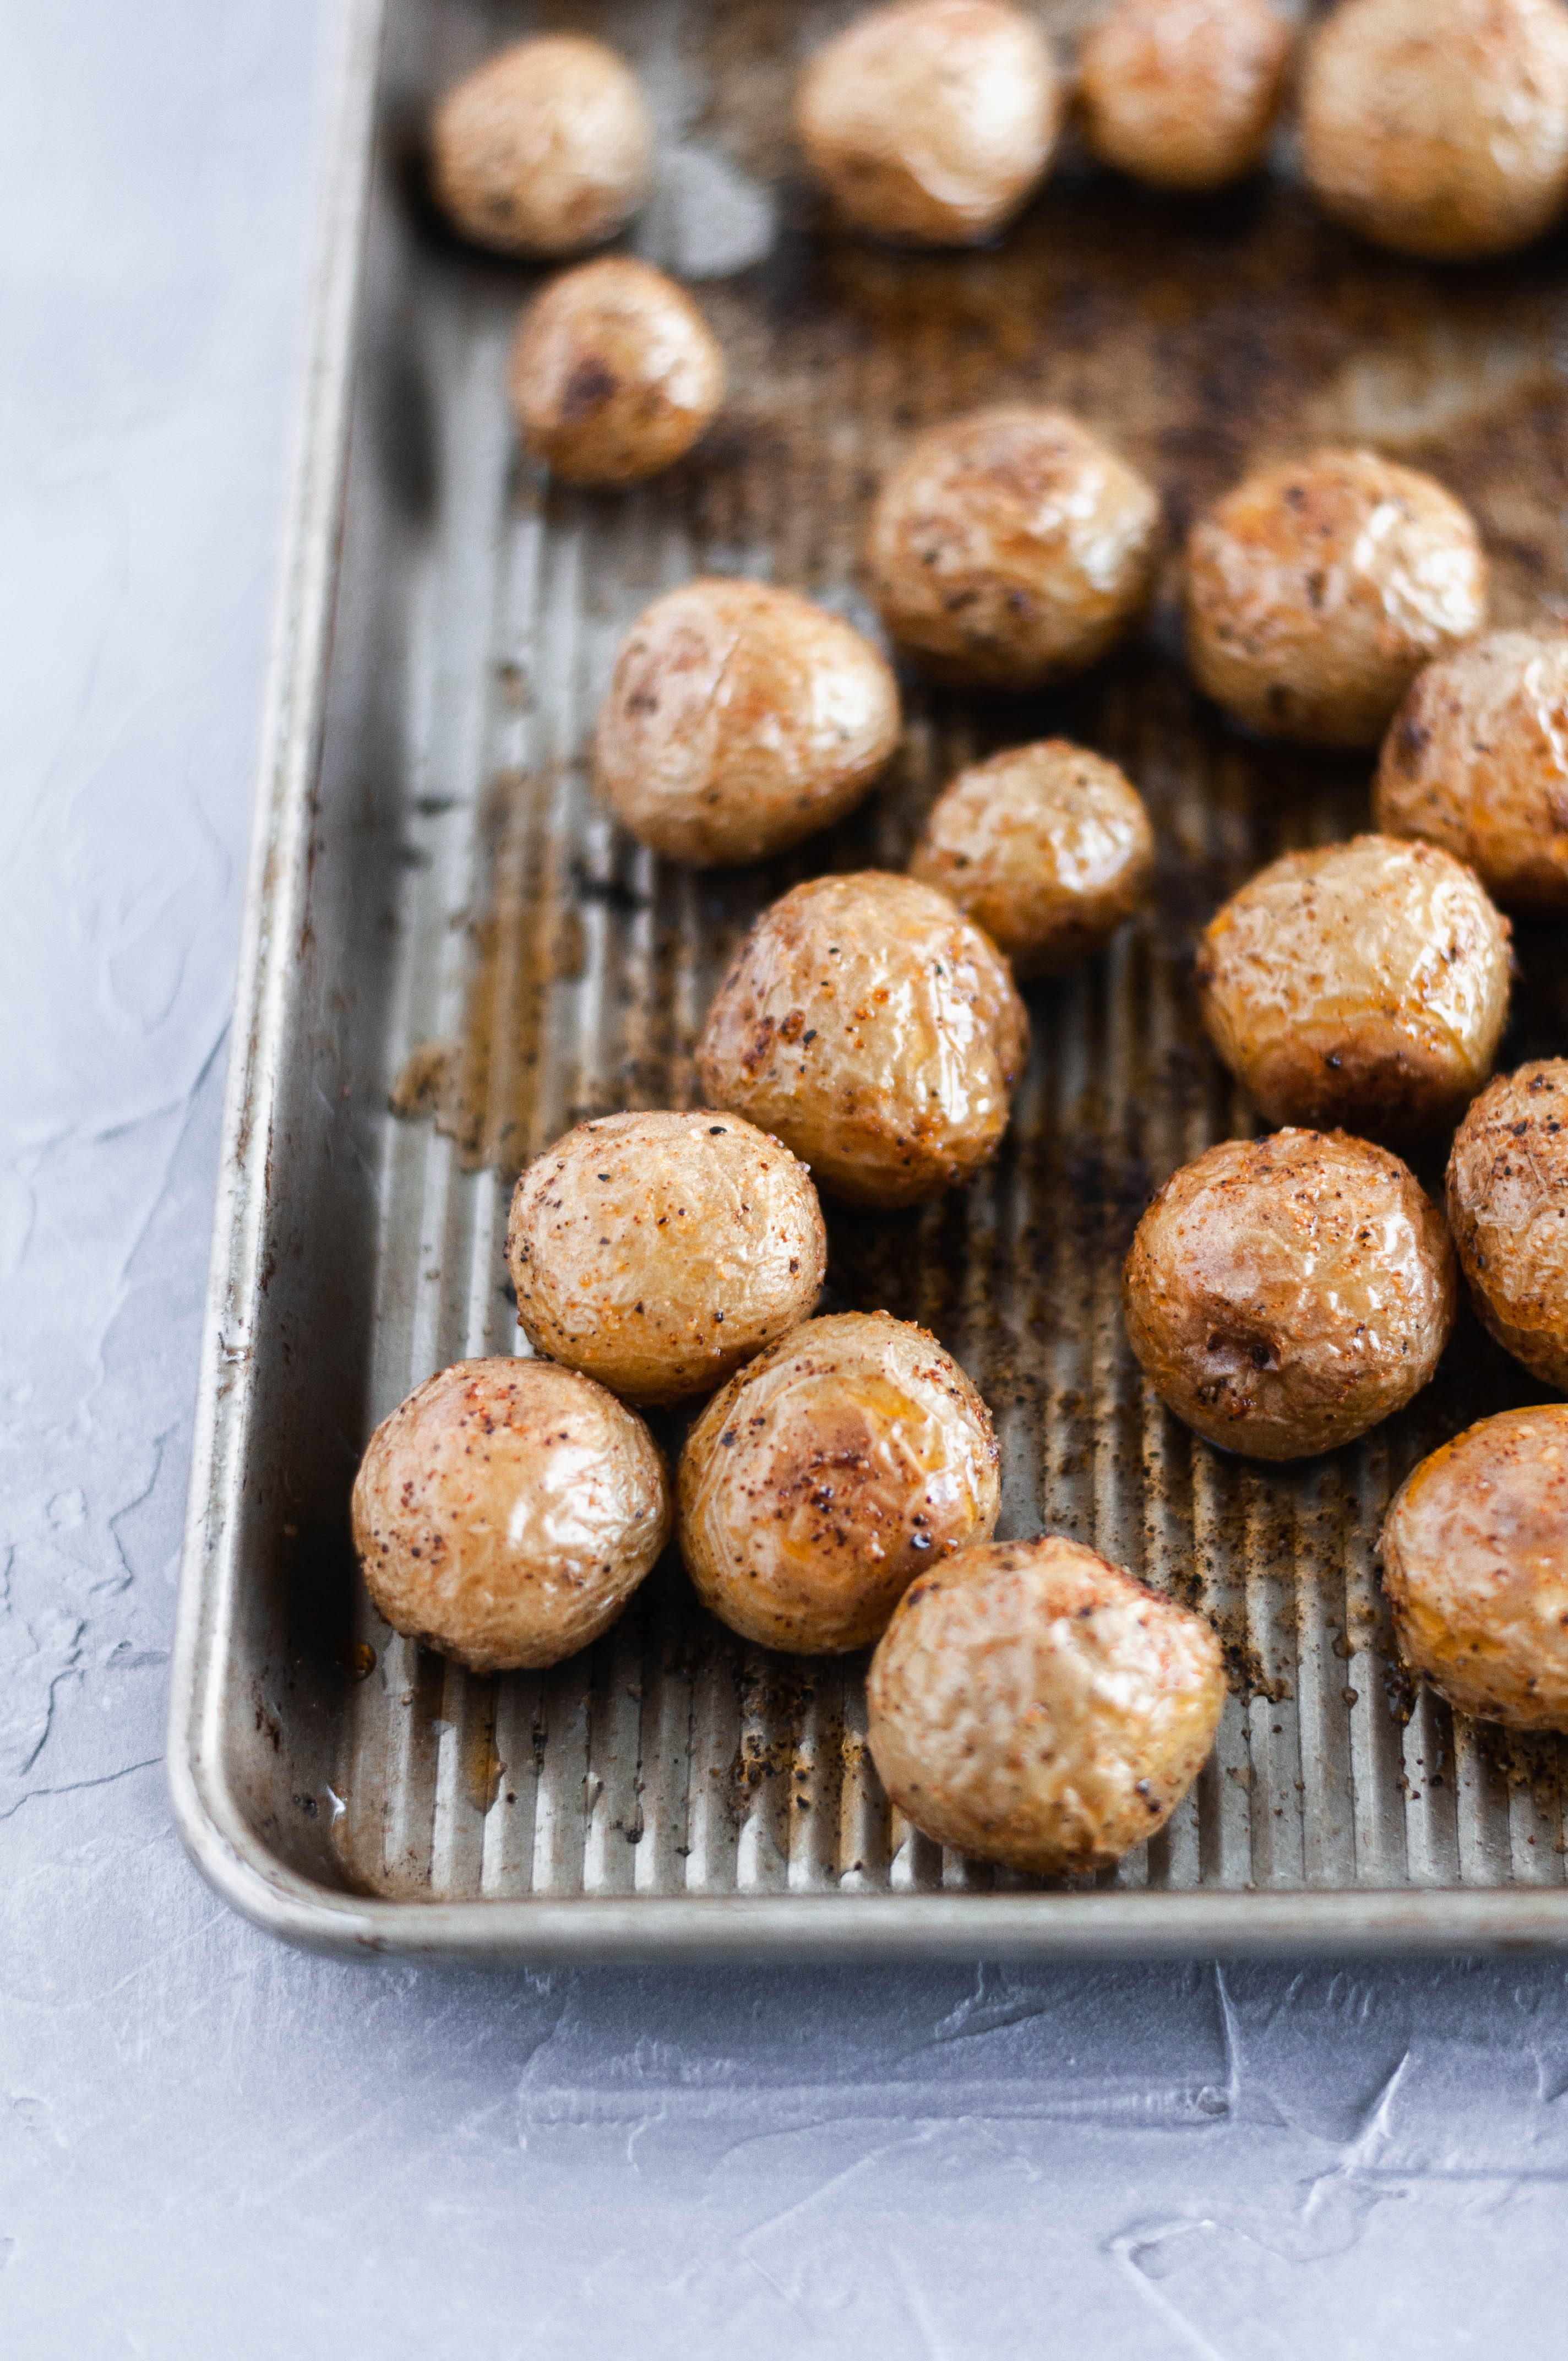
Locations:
1029 1702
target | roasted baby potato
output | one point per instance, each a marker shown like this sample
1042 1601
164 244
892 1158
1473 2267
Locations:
658 1252
1365 984
545 150
868 1025
1438 128
615 373
1316 592
1049 848
740 720
1032 1704
1508 1208
1282 1295
1011 547
827 1475
930 122
1476 760
504 1513
1183 93
1475 1568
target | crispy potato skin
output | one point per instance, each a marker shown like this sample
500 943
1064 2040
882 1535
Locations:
1011 547
930 123
1049 848
1316 592
1282 1295
658 1252
546 148
741 719
614 373
1183 93
827 1475
1508 1208
507 1510
1032 1704
1363 984
1438 128
1476 760
869 1025
1475 1568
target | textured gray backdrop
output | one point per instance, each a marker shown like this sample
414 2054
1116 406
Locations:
209 2146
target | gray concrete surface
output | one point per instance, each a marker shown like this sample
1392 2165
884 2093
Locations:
210 2145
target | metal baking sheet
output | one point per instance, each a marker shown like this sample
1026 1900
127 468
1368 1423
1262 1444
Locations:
441 922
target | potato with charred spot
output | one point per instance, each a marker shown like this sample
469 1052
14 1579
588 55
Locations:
1508 1208
1363 985
930 122
1010 548
1032 1704
1316 592
827 1475
740 720
545 149
1049 848
1476 760
1438 128
1475 1568
658 1252
614 373
507 1510
1282 1295
1183 93
877 1032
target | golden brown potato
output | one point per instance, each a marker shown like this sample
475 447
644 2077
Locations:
1032 1704
1475 1566
1365 984
504 1513
817 1486
740 720
545 149
868 1025
1507 1207
1477 761
1282 1295
657 1252
1316 592
1183 93
1049 848
614 373
1011 547
930 122
1438 128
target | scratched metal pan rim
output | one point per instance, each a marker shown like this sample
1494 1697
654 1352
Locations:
439 917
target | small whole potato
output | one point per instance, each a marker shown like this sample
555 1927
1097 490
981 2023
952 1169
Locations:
1365 984
1049 848
545 149
1183 93
932 121
1031 1703
1477 761
615 373
1011 547
1438 128
658 1252
872 1028
827 1475
506 1511
1507 1207
1475 1568
1282 1295
741 718
1316 592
